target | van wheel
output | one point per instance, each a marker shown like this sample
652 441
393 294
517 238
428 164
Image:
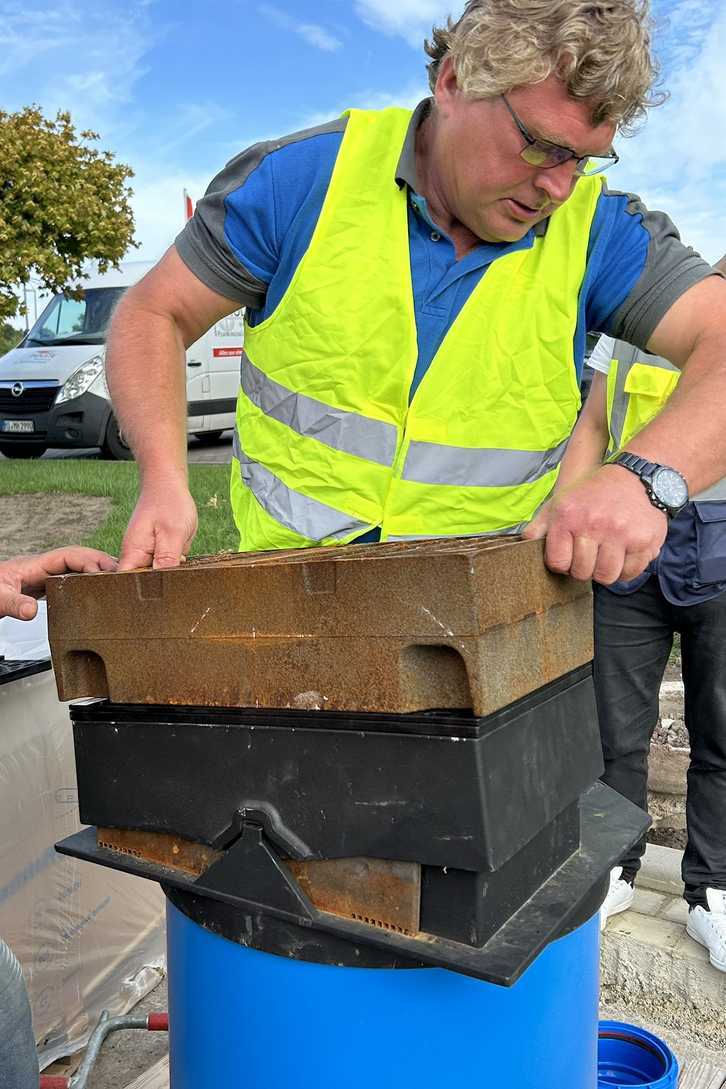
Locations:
115 446
205 437
22 449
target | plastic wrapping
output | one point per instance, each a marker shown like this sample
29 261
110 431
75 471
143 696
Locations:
87 938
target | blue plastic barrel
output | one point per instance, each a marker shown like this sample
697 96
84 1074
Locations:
630 1056
253 1020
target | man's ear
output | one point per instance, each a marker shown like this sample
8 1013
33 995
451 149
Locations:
446 86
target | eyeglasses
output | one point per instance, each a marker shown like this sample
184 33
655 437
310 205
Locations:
544 154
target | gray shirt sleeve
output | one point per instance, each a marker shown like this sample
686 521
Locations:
203 245
670 269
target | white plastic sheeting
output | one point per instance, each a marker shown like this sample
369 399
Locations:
25 640
88 938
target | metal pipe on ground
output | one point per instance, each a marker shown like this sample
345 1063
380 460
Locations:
153 1022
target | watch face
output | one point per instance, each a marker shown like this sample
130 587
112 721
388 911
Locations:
670 487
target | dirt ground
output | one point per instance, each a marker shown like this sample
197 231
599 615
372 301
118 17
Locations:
35 522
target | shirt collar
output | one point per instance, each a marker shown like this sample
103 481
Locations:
406 173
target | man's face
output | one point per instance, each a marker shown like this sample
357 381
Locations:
480 176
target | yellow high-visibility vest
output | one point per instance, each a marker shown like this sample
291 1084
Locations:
639 385
327 445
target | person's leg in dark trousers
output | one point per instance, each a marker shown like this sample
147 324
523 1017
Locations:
703 654
633 638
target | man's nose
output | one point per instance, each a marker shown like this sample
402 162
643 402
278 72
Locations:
558 181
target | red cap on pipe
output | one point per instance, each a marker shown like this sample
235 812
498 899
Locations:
158 1022
50 1081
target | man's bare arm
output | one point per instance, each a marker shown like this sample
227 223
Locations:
690 432
609 515
155 322
588 443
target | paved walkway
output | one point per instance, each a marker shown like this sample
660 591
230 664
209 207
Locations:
654 974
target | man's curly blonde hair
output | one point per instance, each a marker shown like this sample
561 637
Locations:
601 51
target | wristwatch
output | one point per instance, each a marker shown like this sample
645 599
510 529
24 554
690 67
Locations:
665 487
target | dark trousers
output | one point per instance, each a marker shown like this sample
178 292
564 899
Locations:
633 639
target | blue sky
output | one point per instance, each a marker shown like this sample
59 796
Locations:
176 88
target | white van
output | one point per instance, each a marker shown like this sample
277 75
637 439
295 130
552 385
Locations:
53 389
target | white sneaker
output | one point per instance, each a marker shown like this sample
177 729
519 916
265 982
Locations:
619 898
709 927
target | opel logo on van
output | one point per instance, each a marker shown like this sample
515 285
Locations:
17 389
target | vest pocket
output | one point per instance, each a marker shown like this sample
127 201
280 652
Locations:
648 389
710 565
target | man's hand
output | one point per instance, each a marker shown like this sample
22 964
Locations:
161 529
604 528
23 579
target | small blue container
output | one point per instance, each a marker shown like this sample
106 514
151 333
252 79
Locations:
630 1056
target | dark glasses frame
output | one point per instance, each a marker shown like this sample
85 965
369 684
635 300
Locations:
546 155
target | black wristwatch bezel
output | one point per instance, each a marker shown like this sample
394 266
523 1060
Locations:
646 471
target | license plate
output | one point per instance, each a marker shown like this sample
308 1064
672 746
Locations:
17 425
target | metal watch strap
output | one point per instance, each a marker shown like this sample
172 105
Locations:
644 470
634 462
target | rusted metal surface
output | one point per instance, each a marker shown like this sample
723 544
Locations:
389 627
160 847
372 890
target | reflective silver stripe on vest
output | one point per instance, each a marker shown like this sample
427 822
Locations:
464 467
626 355
450 536
348 432
308 517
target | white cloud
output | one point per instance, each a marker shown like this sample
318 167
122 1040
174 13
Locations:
78 57
678 161
312 33
409 19
159 208
318 36
189 121
407 96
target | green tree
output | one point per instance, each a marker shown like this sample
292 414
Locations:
9 337
62 202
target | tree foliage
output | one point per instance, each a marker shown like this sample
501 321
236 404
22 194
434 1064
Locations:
9 337
62 202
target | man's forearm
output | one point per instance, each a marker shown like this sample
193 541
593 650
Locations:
588 442
690 432
146 374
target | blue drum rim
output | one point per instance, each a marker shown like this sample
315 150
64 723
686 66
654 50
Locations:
647 1042
638 1041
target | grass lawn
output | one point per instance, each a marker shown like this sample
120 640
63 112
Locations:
119 481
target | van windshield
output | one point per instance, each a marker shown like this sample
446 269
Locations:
75 321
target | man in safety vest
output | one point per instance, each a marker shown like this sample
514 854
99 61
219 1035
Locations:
418 286
683 590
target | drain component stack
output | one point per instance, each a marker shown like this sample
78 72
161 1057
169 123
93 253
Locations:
367 781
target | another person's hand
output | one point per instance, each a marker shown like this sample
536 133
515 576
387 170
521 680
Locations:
161 529
604 528
23 578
